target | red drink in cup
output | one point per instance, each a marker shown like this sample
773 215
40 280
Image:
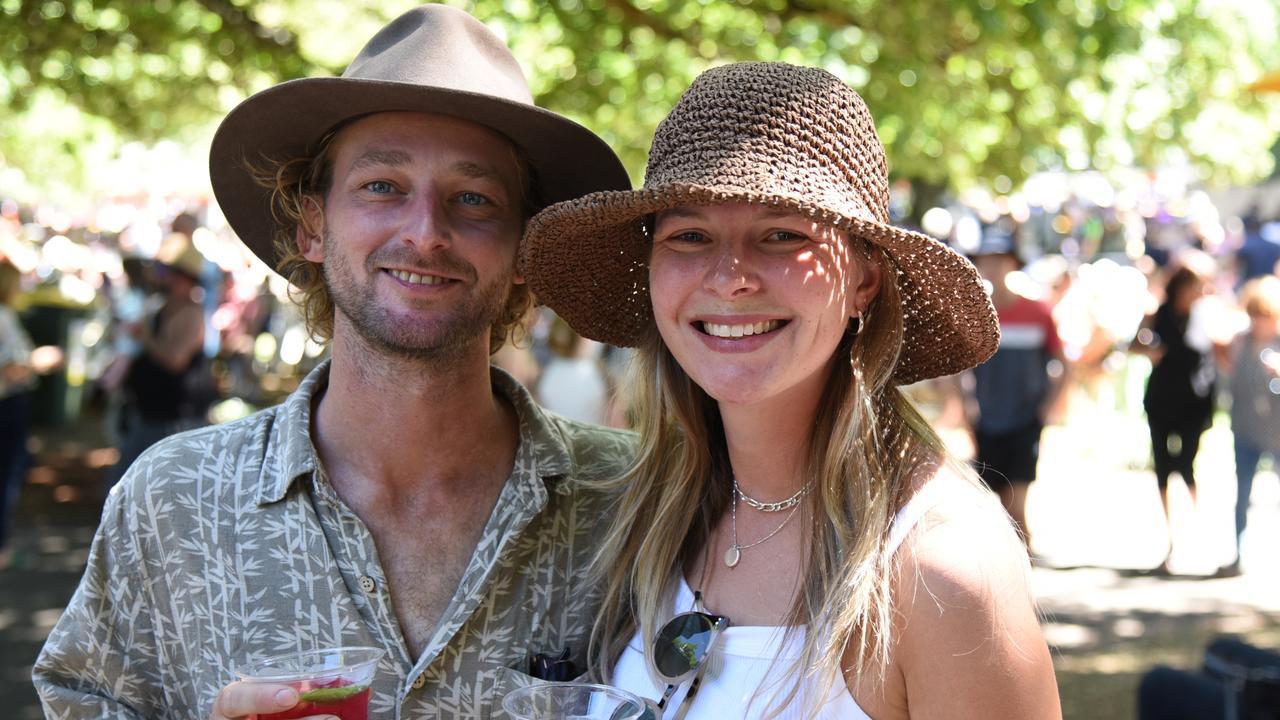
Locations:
329 682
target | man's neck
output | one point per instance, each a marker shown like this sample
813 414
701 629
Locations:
411 425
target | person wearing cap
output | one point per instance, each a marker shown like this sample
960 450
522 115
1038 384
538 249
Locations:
1014 392
784 485
407 496
159 397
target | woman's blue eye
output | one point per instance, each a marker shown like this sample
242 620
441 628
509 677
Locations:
471 198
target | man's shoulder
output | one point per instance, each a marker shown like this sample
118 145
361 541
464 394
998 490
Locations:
596 452
209 451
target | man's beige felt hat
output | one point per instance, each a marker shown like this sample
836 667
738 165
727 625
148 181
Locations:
771 134
433 59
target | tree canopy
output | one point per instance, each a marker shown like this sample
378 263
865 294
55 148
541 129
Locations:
962 90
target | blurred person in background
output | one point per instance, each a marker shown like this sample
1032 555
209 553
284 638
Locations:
160 395
1259 253
573 383
1179 396
1252 362
17 378
1013 392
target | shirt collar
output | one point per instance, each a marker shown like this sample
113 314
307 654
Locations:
290 444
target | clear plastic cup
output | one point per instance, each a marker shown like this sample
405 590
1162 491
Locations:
572 701
334 681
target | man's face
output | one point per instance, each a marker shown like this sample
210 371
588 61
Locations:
419 233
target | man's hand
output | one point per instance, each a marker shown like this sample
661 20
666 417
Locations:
241 700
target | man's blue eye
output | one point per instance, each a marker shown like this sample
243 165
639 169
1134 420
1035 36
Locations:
470 198
689 237
379 186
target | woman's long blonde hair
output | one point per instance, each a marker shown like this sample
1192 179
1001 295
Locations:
867 445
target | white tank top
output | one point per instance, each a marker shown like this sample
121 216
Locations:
741 678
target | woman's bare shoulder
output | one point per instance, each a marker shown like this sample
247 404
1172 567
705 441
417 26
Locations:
970 638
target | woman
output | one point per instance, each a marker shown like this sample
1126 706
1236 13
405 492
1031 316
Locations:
1252 362
784 485
1180 390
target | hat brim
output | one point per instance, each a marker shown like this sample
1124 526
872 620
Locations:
588 260
567 159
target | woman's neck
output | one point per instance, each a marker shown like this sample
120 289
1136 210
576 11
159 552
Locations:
768 442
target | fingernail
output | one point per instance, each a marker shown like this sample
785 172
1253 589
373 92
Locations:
287 697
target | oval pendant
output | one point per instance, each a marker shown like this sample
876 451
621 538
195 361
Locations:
732 555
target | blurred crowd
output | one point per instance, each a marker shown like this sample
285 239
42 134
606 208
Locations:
150 317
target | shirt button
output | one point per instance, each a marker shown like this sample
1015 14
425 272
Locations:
367 584
419 681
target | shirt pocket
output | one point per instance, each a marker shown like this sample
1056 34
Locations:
506 680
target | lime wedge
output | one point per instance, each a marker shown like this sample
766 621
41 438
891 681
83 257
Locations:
332 694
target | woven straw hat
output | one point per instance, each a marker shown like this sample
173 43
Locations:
763 133
432 59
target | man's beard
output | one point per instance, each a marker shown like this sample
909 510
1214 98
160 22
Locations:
444 337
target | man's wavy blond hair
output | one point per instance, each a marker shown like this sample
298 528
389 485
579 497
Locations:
295 181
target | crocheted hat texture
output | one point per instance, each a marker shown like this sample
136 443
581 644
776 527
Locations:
772 134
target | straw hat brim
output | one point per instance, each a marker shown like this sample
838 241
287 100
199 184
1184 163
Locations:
567 159
587 259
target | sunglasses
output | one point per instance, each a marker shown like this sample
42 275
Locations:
680 651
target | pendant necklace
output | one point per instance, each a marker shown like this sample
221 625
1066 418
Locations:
734 553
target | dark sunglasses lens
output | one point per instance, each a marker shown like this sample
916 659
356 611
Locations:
682 644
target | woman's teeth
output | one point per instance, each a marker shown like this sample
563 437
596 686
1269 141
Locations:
737 331
416 279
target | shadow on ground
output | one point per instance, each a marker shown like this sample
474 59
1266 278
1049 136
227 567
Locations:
1100 657
57 514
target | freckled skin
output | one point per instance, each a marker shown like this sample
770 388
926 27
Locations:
748 261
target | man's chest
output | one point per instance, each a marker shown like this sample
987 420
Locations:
424 565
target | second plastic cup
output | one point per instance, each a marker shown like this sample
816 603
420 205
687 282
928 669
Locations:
335 681
572 701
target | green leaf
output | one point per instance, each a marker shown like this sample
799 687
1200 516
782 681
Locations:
332 694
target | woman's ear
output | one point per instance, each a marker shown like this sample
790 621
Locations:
864 281
309 234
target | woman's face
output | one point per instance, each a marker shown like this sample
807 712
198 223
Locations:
751 301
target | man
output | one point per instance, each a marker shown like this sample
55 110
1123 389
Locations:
407 496
1015 390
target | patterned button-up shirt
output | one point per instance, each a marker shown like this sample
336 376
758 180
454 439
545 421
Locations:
227 544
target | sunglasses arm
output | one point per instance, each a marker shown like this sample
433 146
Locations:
688 697
666 695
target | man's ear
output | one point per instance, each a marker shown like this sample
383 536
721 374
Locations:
517 277
309 234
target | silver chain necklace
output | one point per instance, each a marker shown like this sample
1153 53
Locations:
772 506
734 553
